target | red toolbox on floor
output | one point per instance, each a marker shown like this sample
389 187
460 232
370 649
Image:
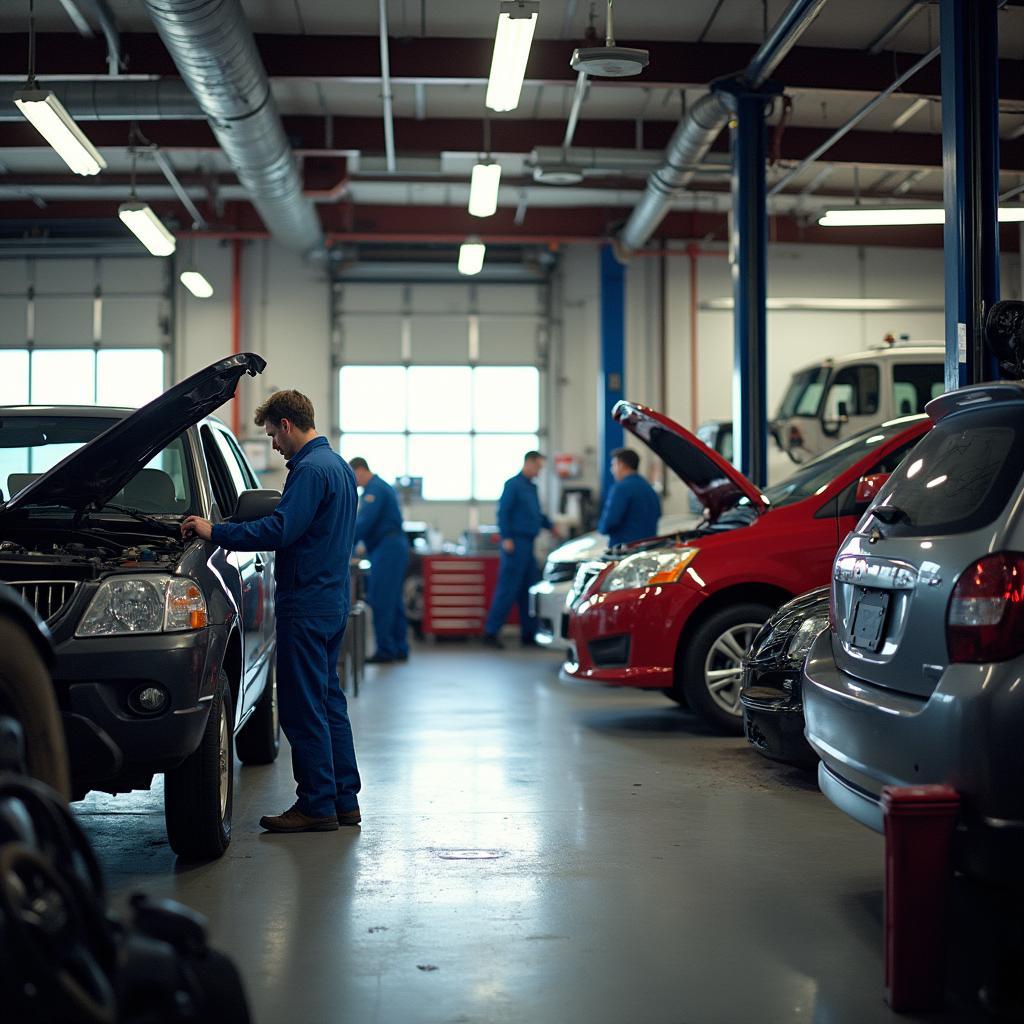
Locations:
457 592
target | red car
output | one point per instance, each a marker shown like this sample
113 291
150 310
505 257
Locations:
678 613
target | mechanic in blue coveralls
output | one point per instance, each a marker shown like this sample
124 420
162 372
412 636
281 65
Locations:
379 527
520 519
312 532
632 508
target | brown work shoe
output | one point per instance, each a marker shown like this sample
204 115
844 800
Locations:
293 820
352 817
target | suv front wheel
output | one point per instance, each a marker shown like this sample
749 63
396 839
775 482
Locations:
198 794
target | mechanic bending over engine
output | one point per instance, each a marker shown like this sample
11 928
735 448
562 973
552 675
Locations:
312 531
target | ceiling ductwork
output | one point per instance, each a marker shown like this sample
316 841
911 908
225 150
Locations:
118 99
213 48
697 131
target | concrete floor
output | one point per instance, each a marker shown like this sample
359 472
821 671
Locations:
533 851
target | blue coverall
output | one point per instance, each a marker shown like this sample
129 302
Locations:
312 532
520 520
631 511
379 527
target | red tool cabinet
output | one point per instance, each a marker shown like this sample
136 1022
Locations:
457 592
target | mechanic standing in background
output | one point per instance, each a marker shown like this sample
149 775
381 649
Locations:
312 532
632 508
520 519
379 527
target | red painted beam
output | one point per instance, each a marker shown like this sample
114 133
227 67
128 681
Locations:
354 58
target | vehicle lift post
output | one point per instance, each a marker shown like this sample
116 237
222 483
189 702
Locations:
612 374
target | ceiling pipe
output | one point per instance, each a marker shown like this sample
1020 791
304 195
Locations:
574 111
103 16
706 118
118 99
213 48
385 89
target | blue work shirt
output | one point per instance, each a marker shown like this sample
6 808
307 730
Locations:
631 511
311 530
519 513
379 514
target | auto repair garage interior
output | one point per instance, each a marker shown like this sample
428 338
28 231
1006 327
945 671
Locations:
748 240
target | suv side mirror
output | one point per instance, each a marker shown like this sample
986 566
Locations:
868 486
255 504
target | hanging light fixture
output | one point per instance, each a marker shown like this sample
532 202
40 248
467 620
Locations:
139 217
471 256
193 279
887 217
517 20
47 115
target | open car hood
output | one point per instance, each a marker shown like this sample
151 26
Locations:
717 484
92 475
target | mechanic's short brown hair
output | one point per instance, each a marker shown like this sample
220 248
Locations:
287 405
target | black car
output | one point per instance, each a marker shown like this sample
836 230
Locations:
773 711
164 648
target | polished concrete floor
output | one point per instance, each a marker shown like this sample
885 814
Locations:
533 851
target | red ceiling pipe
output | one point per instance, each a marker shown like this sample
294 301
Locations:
236 324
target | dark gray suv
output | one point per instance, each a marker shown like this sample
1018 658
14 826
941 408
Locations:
164 648
919 679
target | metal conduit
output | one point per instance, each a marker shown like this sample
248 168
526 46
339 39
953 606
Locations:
213 48
706 118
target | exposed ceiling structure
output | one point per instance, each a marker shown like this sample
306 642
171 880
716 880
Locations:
323 61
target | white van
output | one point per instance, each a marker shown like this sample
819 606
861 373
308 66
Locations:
829 400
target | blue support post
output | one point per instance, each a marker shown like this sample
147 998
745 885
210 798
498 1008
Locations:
612 372
970 163
748 257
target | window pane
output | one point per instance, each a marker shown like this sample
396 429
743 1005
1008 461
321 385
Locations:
506 398
439 398
443 462
63 376
496 458
14 377
385 453
129 377
372 398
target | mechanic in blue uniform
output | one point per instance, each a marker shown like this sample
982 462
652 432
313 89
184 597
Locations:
379 527
520 519
312 531
632 508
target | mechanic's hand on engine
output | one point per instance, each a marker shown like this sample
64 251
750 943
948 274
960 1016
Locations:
555 532
508 544
193 526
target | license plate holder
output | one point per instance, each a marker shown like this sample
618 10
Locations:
869 619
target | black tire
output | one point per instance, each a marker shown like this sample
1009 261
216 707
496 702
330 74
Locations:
27 695
718 640
260 738
198 795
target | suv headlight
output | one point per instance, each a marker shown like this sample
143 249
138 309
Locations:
144 604
647 569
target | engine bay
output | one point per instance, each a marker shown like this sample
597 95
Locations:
86 558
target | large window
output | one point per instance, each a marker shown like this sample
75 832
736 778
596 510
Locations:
81 376
463 429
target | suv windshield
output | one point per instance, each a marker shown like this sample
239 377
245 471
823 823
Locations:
814 476
803 396
30 445
960 477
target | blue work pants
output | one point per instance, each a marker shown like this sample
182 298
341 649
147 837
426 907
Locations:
314 714
517 572
386 597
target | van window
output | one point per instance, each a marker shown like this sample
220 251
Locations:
914 385
803 396
857 388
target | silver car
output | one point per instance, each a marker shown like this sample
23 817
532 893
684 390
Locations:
919 678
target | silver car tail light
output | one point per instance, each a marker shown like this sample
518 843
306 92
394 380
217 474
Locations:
985 620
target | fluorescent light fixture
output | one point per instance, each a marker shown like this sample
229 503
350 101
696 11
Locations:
196 284
517 20
48 116
817 304
483 189
883 217
471 257
147 227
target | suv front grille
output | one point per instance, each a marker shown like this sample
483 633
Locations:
48 597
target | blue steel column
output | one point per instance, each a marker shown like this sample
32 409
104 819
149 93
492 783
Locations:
970 162
748 257
612 372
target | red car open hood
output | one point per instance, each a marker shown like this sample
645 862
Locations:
717 484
